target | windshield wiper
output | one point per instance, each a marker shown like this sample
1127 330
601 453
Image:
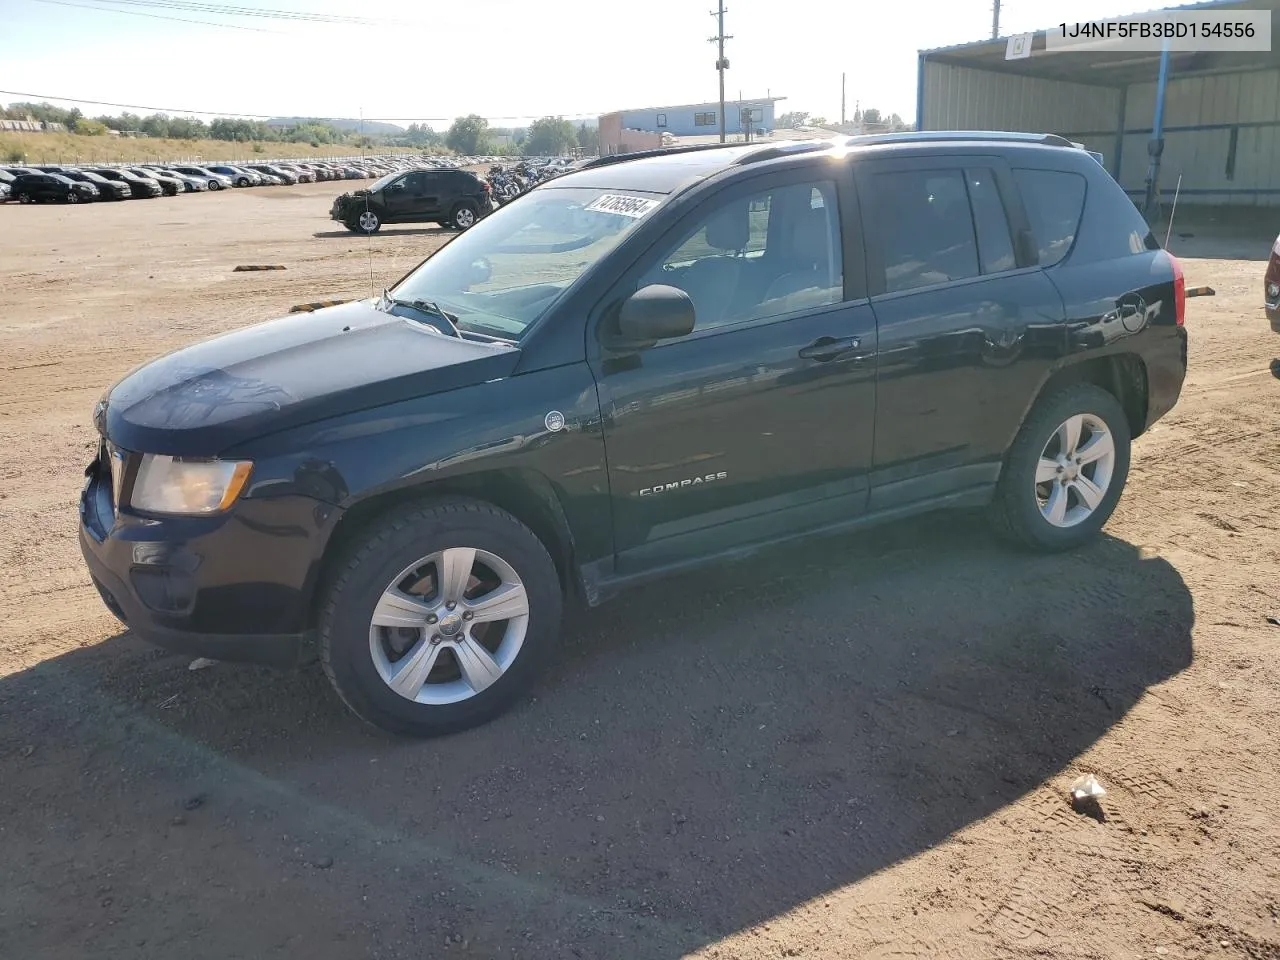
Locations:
428 307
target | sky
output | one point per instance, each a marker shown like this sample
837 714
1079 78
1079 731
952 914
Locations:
508 60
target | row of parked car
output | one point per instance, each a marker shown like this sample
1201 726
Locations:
83 183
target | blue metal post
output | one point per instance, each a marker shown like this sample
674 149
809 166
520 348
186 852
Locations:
920 92
1155 147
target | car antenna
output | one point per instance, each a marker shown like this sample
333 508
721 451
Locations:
1169 232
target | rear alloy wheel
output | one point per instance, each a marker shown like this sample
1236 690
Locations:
1065 471
464 216
440 618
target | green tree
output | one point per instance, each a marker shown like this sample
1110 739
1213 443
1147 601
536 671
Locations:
871 116
187 128
156 125
468 135
793 119
589 140
550 137
90 128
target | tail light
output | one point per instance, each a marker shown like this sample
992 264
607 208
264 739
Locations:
1179 291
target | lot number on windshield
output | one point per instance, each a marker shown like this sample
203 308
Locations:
623 206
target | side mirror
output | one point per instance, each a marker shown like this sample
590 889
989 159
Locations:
656 312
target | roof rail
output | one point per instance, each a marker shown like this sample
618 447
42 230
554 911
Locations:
785 148
657 152
930 136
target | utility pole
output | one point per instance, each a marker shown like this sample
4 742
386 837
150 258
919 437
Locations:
842 88
995 19
721 63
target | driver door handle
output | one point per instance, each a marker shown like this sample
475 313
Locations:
829 348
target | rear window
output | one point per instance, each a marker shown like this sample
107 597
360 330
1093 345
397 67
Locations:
1055 202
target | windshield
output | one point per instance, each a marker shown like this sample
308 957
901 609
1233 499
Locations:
505 272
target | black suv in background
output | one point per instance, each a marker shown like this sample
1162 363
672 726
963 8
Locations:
139 187
451 198
651 363
107 189
43 187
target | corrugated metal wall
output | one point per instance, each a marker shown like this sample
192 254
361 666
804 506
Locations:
1222 132
961 98
1244 107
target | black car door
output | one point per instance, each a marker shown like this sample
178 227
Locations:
959 301
427 190
398 199
759 423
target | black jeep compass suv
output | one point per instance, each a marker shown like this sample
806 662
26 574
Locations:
644 365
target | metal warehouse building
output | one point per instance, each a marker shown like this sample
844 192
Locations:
625 130
1218 114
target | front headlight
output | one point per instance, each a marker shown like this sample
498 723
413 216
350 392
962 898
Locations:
172 485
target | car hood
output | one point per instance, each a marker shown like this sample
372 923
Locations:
203 399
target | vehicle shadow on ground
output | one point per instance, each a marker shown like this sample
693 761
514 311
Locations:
705 754
384 232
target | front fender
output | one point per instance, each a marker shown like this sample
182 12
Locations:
545 423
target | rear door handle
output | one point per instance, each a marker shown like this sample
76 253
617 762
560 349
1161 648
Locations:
829 348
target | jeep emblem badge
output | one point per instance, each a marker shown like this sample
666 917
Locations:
554 421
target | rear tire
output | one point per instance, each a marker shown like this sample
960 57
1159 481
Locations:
386 565
1065 471
464 215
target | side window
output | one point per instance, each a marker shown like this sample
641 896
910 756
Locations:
1054 201
995 242
759 256
926 228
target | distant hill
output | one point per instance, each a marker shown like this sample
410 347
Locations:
370 126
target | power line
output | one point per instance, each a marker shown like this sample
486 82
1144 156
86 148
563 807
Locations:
157 16
231 10
258 116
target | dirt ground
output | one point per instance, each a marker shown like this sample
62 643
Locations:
857 749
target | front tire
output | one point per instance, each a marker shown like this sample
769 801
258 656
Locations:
440 617
214 185
25 198
365 222
1066 470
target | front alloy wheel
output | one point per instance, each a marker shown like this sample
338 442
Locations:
439 617
368 222
449 625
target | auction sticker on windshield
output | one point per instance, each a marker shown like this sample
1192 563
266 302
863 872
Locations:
622 205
